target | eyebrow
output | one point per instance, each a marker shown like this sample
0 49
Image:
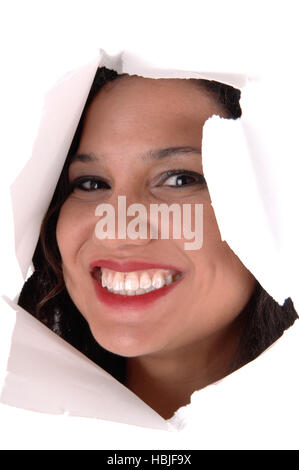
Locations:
169 152
155 154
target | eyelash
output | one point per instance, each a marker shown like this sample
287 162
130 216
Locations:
77 183
199 179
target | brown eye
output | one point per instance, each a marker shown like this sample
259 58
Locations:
89 184
179 179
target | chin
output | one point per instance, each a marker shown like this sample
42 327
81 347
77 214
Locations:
125 345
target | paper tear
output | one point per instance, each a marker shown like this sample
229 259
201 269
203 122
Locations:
127 62
47 374
238 202
61 113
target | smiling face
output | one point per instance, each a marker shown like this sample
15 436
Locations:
142 139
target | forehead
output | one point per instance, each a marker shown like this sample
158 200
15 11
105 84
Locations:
133 93
133 110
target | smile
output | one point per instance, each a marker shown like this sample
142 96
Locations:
135 282
132 284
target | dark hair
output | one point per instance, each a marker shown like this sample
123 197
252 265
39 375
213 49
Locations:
44 294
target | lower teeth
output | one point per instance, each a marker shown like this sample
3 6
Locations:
131 292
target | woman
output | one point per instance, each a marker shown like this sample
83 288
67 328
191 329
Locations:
205 315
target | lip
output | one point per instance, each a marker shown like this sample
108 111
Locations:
130 265
135 302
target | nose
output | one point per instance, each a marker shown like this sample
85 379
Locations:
122 224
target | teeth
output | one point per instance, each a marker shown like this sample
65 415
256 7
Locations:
145 281
131 292
137 282
140 291
149 289
110 281
118 282
132 282
158 280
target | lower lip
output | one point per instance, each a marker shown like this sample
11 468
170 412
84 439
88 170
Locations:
132 301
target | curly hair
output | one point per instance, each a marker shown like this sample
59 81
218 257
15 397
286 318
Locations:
45 296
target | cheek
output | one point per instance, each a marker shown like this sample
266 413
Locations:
230 279
212 247
63 230
73 229
212 236
216 266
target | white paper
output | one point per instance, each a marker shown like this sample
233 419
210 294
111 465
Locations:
257 403
56 378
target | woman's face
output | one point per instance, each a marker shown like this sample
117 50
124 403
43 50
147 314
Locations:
129 126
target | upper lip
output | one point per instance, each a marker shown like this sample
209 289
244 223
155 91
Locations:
129 265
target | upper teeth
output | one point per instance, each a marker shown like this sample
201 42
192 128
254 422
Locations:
136 282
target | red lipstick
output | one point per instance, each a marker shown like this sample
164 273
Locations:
129 265
118 301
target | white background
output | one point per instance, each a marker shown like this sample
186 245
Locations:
40 41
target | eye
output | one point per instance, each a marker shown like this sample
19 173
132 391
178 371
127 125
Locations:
89 183
180 178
